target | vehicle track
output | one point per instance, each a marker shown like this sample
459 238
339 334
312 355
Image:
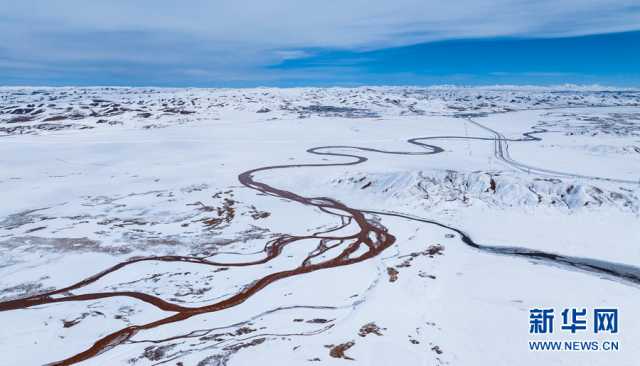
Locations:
501 152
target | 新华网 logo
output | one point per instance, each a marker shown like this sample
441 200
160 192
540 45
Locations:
574 321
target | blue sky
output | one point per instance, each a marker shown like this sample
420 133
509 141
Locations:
607 59
334 42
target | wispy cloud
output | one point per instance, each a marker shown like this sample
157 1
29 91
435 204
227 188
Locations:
218 41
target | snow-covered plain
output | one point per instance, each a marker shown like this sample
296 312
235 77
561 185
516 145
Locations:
95 177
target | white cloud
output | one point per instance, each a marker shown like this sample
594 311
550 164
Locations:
333 23
241 35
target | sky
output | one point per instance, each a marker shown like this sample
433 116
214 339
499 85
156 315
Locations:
245 43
